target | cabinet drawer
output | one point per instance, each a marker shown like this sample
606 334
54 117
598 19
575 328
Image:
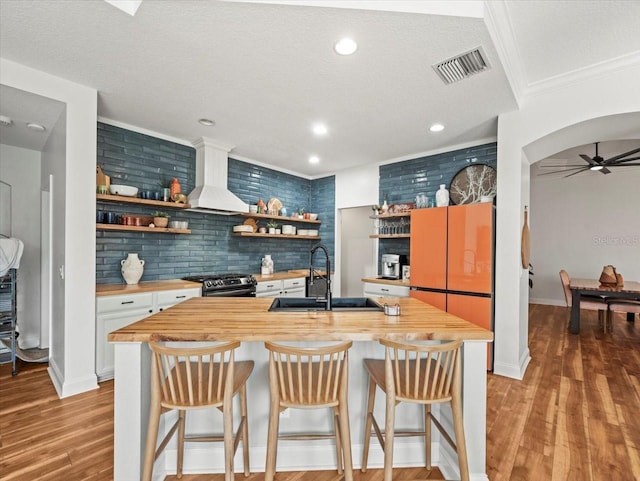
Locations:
297 283
385 290
170 298
268 286
124 302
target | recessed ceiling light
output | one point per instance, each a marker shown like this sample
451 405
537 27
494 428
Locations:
596 167
314 159
36 127
206 122
345 46
436 128
320 129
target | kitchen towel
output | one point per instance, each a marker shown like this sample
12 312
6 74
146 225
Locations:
10 254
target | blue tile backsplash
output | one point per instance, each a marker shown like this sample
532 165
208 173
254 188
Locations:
400 182
150 163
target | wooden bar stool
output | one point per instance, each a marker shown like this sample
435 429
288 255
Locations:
422 374
193 378
309 378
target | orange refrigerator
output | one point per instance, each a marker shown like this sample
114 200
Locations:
452 261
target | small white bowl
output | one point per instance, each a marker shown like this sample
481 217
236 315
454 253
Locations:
126 190
313 216
178 224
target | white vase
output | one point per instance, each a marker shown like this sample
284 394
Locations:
132 268
442 196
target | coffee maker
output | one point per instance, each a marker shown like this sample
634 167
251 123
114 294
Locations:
391 266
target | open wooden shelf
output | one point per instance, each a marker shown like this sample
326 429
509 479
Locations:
135 200
135 228
390 216
281 218
275 236
389 236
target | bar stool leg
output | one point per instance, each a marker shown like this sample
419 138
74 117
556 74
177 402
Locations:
458 426
245 429
152 430
182 421
274 423
427 434
368 424
389 429
227 416
344 429
336 427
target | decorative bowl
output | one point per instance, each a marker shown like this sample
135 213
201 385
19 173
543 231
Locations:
313 216
126 190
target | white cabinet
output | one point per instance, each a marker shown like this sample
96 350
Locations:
269 289
295 287
114 312
385 290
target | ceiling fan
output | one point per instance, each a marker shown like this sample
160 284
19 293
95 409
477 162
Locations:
599 164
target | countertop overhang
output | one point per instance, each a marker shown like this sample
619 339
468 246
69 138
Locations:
248 319
380 280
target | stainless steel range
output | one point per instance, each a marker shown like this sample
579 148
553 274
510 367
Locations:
226 285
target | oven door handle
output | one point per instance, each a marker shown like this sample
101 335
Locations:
249 291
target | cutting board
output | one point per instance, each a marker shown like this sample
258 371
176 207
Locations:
101 178
525 248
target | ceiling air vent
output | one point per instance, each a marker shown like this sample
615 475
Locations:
462 66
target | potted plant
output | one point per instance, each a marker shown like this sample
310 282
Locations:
160 219
300 212
272 224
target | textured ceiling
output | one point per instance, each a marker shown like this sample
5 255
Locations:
265 73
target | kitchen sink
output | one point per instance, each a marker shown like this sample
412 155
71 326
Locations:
281 304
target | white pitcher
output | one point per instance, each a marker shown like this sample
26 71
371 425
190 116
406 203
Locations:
132 268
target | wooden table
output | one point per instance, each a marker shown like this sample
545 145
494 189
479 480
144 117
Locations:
248 320
592 287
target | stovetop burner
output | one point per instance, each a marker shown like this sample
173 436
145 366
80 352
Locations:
225 284
215 277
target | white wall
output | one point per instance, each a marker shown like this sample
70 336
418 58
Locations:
357 187
595 222
74 228
21 168
358 251
563 108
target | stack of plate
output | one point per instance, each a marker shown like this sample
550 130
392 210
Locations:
242 228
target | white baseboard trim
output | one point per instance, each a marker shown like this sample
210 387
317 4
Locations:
513 371
547 302
301 456
66 388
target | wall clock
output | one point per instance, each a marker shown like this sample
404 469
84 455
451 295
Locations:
472 183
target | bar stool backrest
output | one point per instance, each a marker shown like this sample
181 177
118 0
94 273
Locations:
308 376
193 377
422 373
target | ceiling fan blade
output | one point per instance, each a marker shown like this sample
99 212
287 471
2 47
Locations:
621 156
580 168
588 159
620 162
584 169
625 165
604 170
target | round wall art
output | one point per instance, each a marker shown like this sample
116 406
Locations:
473 184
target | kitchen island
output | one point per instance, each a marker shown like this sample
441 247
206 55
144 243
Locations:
248 320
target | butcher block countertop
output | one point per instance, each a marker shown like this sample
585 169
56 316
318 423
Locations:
248 319
117 289
379 280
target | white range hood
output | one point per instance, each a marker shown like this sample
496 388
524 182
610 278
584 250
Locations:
211 194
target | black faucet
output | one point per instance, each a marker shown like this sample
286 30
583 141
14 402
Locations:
327 294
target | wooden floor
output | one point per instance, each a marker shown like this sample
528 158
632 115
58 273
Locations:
575 416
